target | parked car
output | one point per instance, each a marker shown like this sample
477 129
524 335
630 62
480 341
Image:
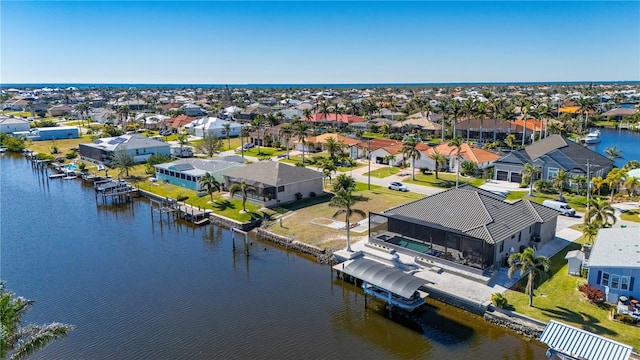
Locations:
565 209
395 185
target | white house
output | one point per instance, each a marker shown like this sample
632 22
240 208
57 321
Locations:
13 124
137 146
213 125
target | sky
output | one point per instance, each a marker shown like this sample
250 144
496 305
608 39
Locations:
210 42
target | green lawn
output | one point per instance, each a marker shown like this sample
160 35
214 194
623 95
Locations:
372 135
384 172
226 207
517 195
631 215
445 180
298 159
264 151
558 298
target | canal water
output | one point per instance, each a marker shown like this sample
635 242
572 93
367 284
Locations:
627 141
138 288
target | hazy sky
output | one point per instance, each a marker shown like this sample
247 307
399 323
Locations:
210 42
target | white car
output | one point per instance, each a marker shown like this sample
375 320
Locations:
395 185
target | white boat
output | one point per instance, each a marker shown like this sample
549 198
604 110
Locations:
3 149
593 137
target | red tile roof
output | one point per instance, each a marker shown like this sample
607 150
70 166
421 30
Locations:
343 118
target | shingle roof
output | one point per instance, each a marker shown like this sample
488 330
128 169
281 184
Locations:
616 247
273 173
476 212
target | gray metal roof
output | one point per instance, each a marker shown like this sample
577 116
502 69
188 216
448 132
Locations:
582 344
273 173
616 247
384 277
476 212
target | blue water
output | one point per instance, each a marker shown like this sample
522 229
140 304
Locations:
281 86
627 141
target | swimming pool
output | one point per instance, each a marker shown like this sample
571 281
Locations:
70 167
408 244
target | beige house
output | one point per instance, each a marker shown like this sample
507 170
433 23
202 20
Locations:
275 182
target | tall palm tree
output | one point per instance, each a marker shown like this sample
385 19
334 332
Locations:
307 114
20 342
286 132
600 211
481 113
258 124
590 231
530 171
455 110
300 131
469 109
559 181
527 261
456 143
613 153
586 106
544 113
496 109
244 133
183 139
443 109
209 182
525 108
328 167
439 159
345 201
614 178
409 150
123 113
244 190
325 110
227 131
337 110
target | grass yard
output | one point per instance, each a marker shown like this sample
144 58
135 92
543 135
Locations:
298 159
517 195
631 215
558 298
384 172
445 180
264 151
297 218
64 145
222 205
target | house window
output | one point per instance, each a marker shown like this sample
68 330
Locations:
551 173
281 188
519 237
624 283
137 152
502 246
605 279
615 281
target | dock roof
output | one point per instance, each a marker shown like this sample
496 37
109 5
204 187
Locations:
384 277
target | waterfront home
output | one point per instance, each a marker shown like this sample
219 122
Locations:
137 146
213 126
467 228
614 263
9 124
480 157
276 182
552 154
619 113
188 173
49 133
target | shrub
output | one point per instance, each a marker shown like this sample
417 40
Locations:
298 196
594 294
182 197
312 194
543 186
72 154
499 300
624 318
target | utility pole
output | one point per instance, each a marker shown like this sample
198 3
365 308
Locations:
588 220
369 156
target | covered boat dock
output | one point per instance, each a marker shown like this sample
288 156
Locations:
385 283
568 343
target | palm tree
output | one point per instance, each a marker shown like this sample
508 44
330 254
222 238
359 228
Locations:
123 113
457 144
258 125
123 161
530 171
20 342
561 178
527 261
409 150
585 106
389 160
328 167
301 130
510 140
325 110
244 133
598 183
243 189
614 178
544 113
631 184
344 182
600 211
227 131
209 182
183 139
525 107
613 153
443 109
333 147
286 132
337 110
469 109
481 113
307 114
455 110
439 159
345 200
590 231
496 109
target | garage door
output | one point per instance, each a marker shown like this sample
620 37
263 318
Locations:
516 178
502 175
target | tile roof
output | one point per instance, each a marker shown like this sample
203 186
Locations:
467 152
343 118
476 212
273 173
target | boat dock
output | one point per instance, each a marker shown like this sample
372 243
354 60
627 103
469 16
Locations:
182 211
116 190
